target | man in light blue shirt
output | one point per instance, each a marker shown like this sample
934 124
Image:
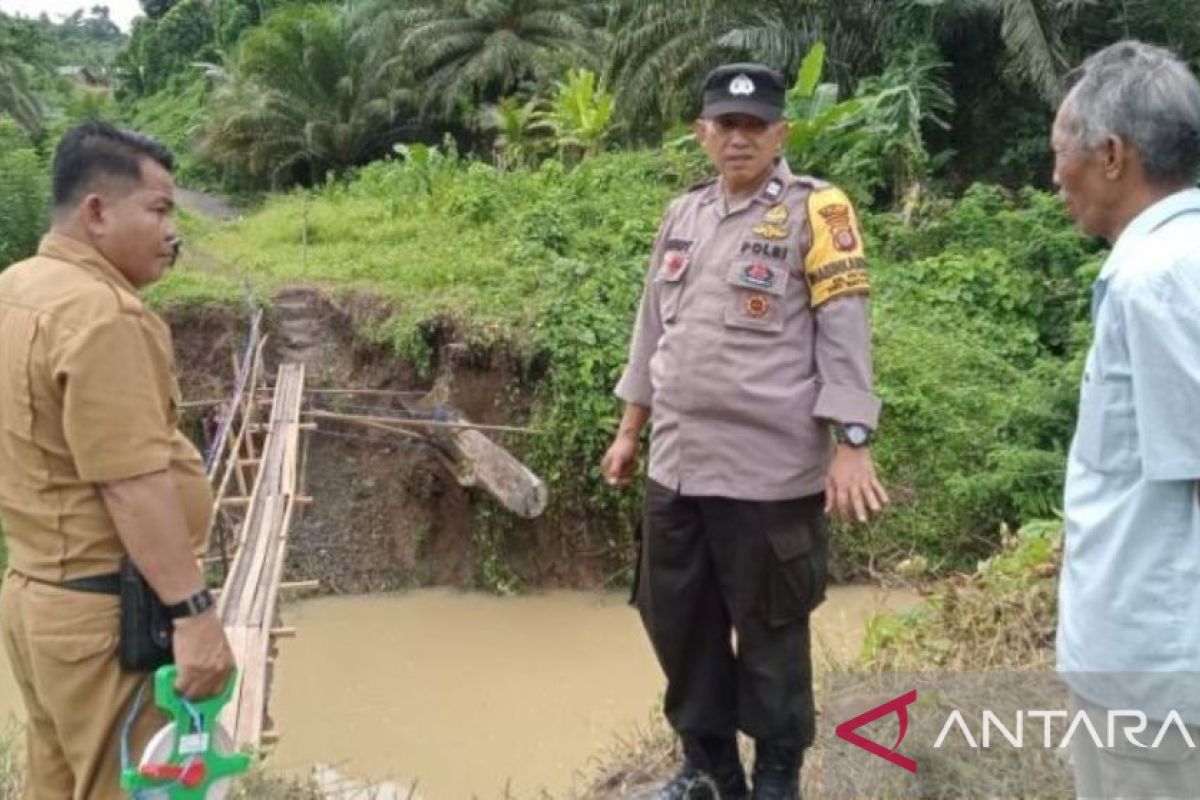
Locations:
1127 145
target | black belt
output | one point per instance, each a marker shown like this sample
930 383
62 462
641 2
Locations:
96 584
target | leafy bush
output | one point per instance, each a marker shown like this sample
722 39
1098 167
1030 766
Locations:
24 195
980 317
1001 616
174 116
161 48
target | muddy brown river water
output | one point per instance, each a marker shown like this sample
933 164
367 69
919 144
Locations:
467 694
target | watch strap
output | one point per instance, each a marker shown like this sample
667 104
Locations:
853 434
198 603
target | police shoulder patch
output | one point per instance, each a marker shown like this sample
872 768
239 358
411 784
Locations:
816 184
834 264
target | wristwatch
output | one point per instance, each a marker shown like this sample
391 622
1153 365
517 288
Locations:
853 434
198 603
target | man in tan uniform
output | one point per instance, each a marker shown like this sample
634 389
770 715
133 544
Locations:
752 346
92 466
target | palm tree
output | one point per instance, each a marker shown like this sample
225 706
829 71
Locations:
303 96
467 52
1031 30
1045 37
661 49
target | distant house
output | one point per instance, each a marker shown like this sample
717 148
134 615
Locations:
87 77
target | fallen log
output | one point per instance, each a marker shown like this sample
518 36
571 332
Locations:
475 460
482 462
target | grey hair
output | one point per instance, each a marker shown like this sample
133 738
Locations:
1146 96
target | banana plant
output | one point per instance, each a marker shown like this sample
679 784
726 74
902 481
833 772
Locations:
581 113
813 110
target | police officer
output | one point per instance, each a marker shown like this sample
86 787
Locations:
751 357
92 466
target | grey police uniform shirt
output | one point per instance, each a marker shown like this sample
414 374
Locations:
752 335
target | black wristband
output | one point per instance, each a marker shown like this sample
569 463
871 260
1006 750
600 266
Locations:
198 603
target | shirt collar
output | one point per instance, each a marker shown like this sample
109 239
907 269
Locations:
770 192
65 248
1148 221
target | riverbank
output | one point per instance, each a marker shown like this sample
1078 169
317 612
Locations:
464 694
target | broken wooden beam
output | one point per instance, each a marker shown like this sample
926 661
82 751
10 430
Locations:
370 392
481 462
476 459
417 422
300 586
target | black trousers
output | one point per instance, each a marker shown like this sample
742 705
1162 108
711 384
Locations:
713 567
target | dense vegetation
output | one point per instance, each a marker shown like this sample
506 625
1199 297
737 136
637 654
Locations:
503 165
979 315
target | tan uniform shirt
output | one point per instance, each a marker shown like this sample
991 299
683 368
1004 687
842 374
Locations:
753 332
88 395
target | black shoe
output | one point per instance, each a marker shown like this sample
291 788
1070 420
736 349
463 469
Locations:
690 783
718 757
776 772
712 770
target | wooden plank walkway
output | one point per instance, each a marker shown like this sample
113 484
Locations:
257 473
249 596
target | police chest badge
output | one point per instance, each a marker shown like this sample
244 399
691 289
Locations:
758 275
674 264
768 230
757 306
776 215
837 217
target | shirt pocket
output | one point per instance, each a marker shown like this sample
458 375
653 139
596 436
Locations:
1106 434
756 294
669 283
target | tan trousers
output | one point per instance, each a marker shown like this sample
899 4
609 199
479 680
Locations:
62 646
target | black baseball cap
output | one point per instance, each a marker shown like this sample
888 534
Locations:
753 89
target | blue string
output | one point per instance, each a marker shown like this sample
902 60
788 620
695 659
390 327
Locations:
128 724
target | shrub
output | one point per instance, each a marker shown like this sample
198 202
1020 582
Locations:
24 196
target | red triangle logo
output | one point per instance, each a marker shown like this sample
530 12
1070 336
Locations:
898 706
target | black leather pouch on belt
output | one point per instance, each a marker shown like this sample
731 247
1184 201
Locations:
145 627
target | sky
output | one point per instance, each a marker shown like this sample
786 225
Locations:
121 11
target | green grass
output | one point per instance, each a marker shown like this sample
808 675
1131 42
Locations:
443 239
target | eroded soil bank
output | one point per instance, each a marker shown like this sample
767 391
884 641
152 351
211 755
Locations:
387 512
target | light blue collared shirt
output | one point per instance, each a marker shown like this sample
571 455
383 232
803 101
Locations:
1129 596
